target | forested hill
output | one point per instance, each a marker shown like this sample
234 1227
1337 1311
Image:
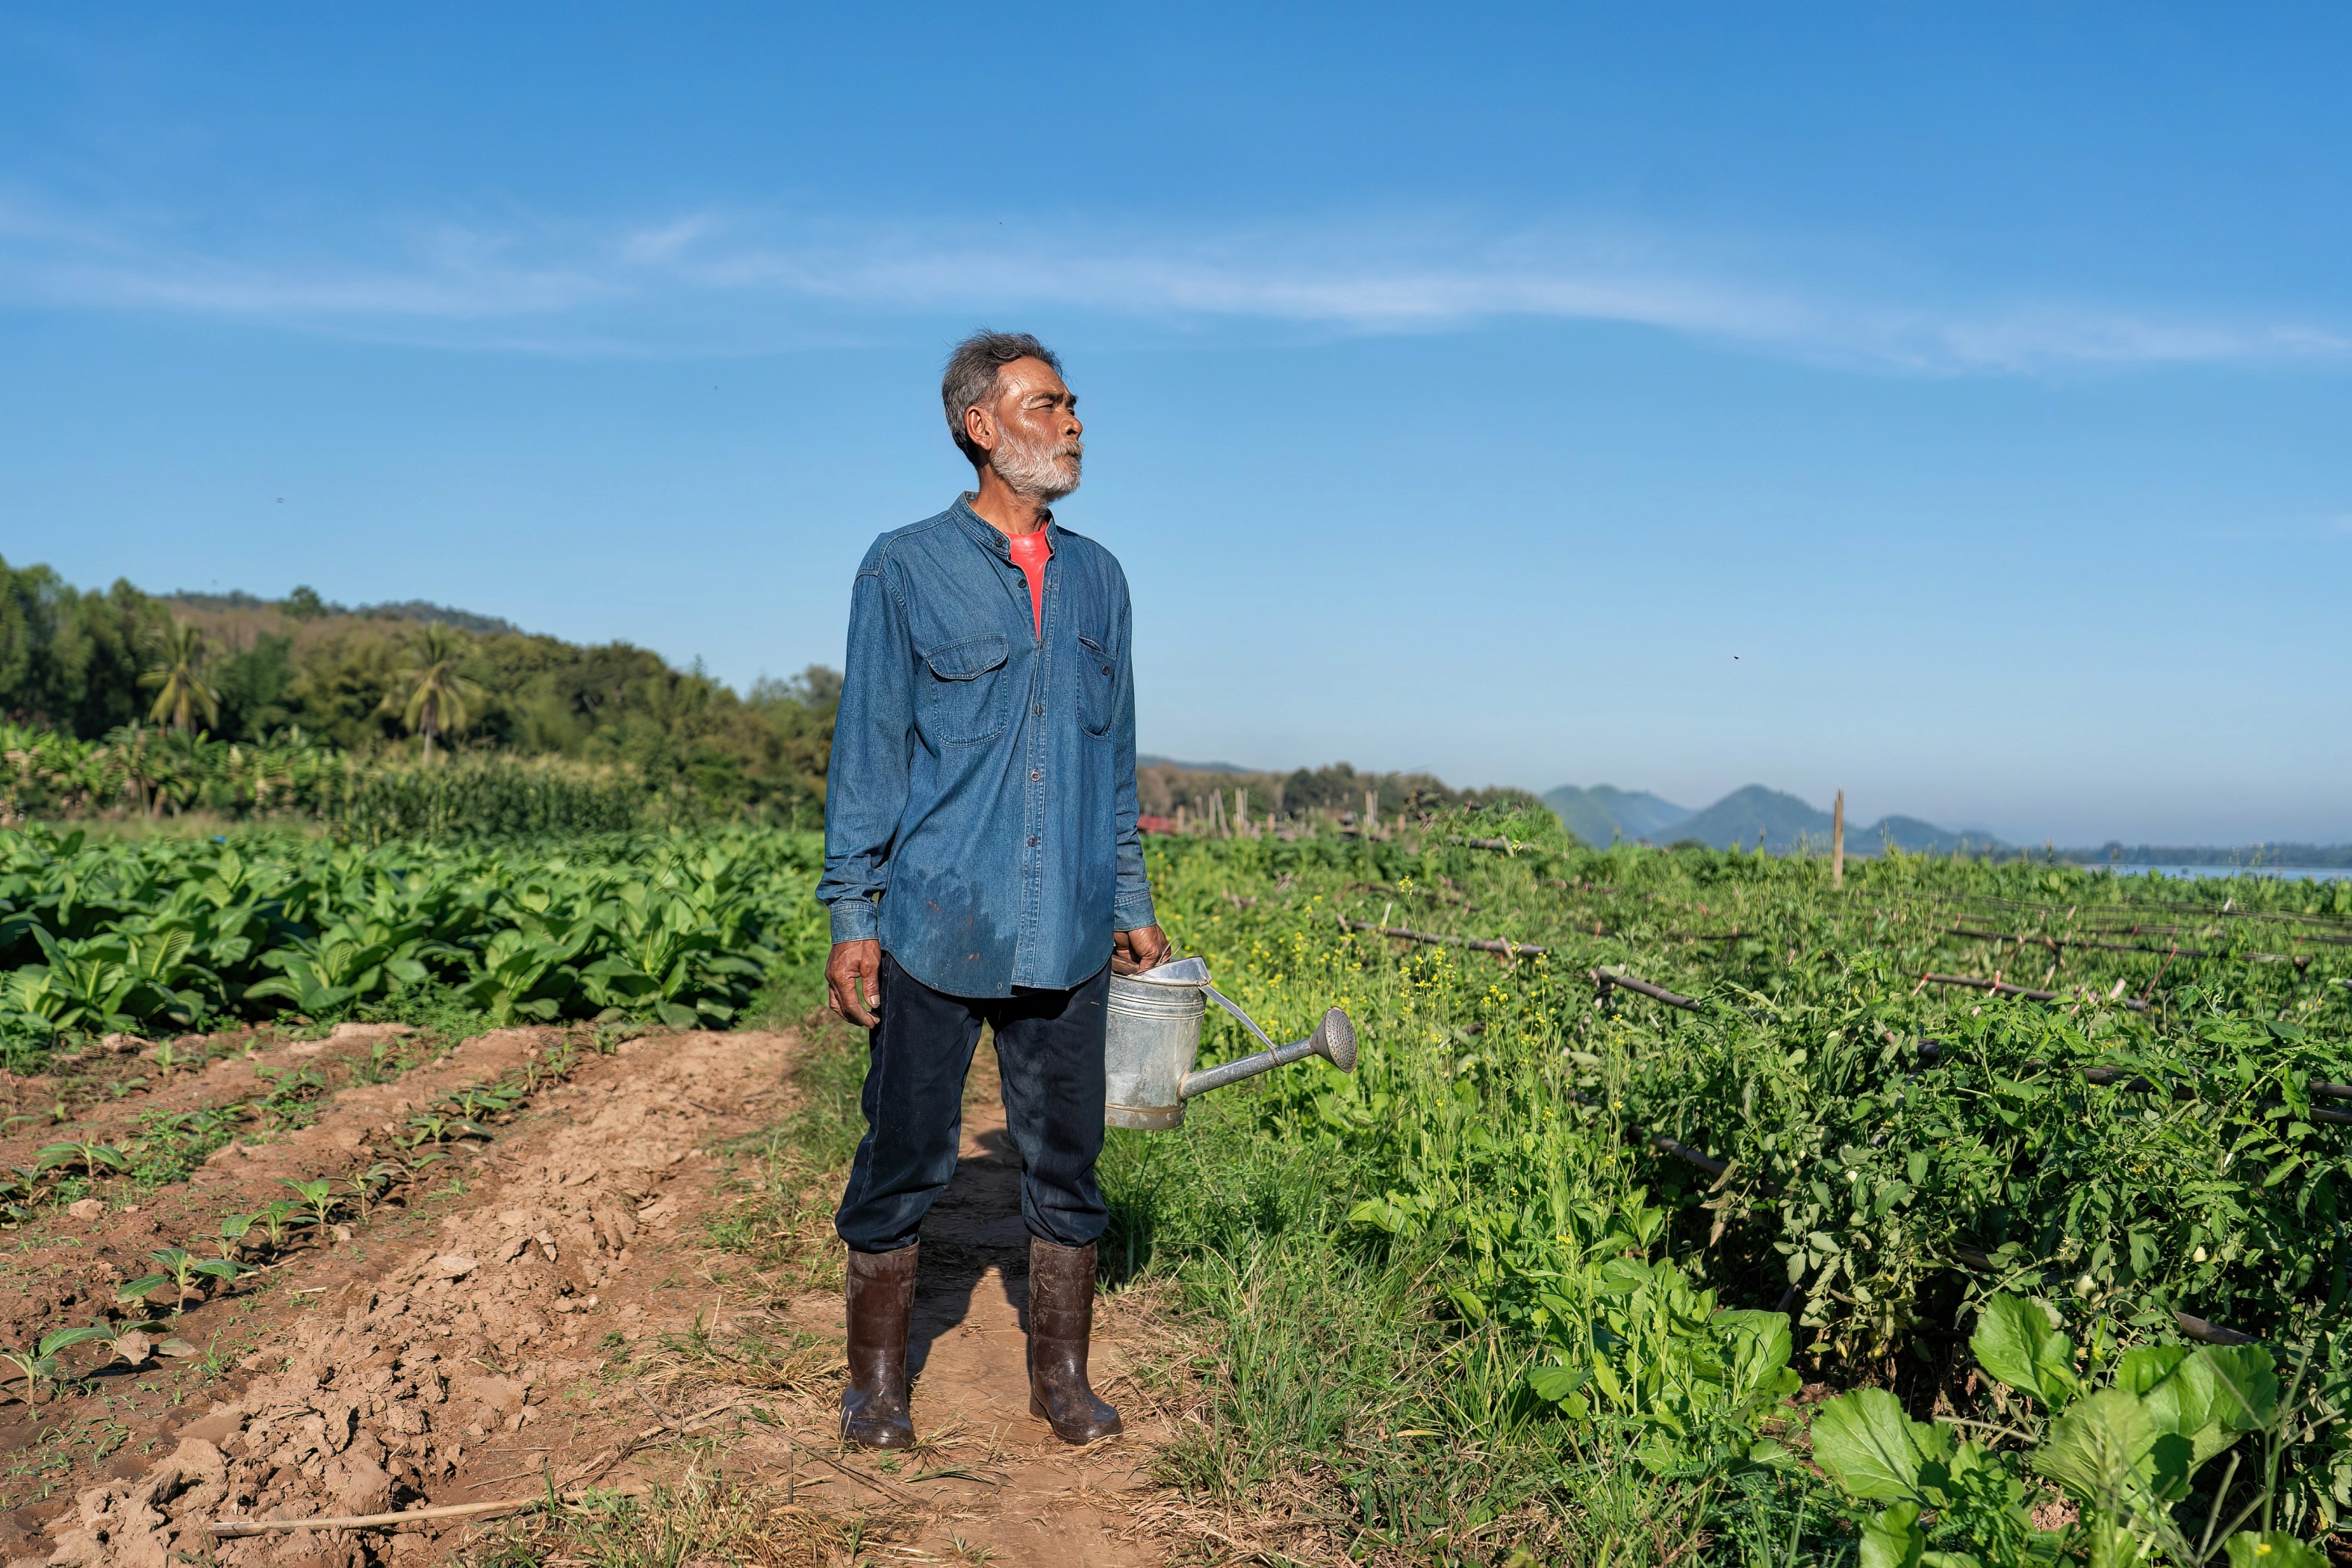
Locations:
89 662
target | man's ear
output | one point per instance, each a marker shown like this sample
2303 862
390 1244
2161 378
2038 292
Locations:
980 428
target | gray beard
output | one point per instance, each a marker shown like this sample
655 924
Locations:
1037 471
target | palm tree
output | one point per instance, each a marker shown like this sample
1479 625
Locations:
180 689
440 701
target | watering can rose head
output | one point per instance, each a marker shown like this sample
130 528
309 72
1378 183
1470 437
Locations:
1153 1037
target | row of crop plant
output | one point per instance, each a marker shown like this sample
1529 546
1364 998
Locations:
1501 1114
197 1268
101 934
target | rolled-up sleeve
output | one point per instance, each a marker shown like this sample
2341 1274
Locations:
1131 892
873 742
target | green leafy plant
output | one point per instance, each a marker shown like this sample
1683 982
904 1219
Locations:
366 1186
2126 1451
317 1195
90 1155
233 1229
38 1364
275 1217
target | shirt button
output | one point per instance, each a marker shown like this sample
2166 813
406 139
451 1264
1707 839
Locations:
1032 841
1039 710
1036 773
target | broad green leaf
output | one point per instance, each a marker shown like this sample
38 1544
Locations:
2141 1370
1893 1539
2275 1548
2213 1395
2097 1448
2250 1379
1871 1448
2109 1544
1756 1348
1554 1384
2015 1343
52 1344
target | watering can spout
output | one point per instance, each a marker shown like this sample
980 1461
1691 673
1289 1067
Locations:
1334 1040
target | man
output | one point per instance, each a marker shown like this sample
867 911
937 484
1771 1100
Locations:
983 866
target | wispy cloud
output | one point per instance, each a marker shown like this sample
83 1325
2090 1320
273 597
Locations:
717 282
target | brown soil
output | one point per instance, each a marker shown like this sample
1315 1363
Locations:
66 1269
555 1312
226 1074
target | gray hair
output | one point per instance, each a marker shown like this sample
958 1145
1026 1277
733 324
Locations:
971 377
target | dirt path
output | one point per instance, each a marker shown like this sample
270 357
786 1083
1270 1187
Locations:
1038 1501
557 1311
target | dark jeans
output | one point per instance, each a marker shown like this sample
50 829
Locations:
1049 1059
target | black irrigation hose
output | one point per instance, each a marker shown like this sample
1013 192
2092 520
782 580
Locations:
1603 980
1933 1051
1998 987
2301 961
1402 933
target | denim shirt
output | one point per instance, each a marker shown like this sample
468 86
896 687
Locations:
979 807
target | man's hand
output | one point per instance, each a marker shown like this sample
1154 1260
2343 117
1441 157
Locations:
1133 952
853 963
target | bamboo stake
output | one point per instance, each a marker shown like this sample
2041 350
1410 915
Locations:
1837 842
237 1527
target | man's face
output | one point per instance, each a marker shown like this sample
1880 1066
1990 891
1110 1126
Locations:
1031 432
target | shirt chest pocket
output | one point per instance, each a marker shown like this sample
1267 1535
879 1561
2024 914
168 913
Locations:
1096 678
962 691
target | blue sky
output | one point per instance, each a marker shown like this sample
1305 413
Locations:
1947 403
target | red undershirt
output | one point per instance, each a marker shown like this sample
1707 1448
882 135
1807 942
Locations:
1030 552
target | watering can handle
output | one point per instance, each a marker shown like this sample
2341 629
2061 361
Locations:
1221 1000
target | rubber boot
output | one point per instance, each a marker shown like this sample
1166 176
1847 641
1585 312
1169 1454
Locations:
881 1298
1061 1321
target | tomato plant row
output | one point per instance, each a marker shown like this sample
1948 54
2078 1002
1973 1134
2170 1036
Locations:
1503 1110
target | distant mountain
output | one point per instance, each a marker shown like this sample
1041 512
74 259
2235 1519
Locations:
1604 814
1145 760
1601 815
1913 837
1782 820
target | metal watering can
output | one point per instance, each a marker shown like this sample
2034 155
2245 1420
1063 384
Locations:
1153 1036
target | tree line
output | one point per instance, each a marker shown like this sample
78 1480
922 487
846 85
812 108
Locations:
399 683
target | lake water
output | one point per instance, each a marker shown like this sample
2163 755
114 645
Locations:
2283 873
